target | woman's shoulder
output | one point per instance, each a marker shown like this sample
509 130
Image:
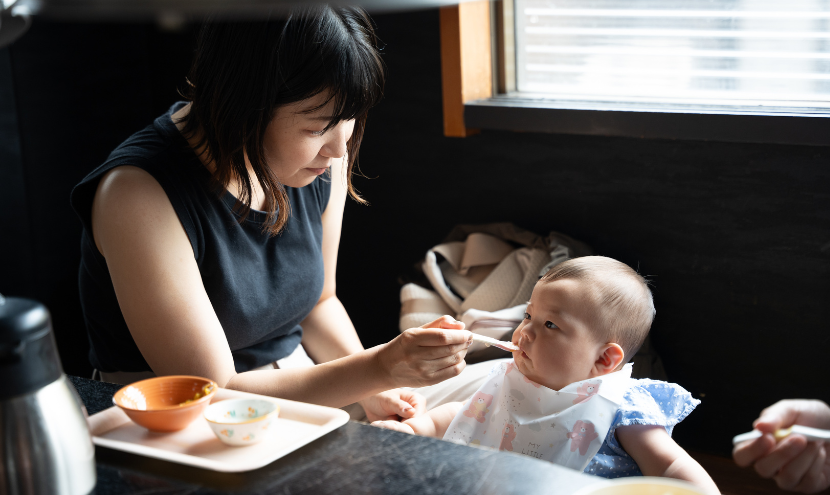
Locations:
126 185
129 197
654 402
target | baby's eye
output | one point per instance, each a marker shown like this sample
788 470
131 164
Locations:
527 316
550 324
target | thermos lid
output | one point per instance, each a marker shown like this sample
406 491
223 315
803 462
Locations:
22 320
28 356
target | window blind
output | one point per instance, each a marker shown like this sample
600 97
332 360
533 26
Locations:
760 53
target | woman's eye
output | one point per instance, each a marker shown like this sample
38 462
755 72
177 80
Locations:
317 133
527 316
550 324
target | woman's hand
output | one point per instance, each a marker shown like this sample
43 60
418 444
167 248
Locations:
394 405
428 355
794 463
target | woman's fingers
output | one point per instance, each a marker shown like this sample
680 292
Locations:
783 453
448 372
439 352
782 414
438 370
788 412
790 475
746 453
414 357
430 337
794 463
447 361
431 344
445 321
816 478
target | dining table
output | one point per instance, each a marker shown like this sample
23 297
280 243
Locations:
354 458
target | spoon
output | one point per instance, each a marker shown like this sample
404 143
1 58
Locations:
505 346
810 433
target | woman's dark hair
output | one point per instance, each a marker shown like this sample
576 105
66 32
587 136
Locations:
243 72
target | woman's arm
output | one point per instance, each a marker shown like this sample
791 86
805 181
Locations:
328 332
657 454
160 293
156 279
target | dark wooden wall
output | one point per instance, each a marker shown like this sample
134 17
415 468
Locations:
735 236
78 91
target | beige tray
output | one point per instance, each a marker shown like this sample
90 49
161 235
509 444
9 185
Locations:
298 424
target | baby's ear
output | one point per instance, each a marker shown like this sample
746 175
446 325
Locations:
610 357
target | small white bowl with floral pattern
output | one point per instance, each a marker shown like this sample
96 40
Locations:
242 421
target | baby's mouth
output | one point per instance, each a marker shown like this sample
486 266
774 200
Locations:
520 345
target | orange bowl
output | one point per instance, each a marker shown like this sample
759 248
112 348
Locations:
165 403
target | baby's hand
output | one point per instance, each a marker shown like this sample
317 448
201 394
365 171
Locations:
394 425
394 404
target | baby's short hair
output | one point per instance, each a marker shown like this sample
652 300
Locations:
623 299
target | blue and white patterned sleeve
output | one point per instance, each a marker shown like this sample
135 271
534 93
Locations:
648 402
652 402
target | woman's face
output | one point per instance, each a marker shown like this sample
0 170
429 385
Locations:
296 149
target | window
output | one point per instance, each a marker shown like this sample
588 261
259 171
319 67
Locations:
753 53
743 70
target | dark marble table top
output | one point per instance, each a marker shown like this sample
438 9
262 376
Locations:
355 458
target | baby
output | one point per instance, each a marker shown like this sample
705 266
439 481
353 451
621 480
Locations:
585 319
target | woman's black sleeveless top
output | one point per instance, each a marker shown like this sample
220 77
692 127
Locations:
260 286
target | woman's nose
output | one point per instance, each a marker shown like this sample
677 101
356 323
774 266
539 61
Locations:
336 146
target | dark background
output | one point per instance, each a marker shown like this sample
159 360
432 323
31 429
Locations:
736 236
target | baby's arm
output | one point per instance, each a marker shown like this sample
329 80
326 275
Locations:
433 423
658 455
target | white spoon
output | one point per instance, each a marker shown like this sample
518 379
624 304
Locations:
505 346
810 433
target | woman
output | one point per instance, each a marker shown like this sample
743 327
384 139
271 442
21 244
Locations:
210 238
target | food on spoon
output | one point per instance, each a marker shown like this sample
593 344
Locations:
812 434
781 434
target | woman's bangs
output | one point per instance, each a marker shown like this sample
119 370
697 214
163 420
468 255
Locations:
355 82
339 58
355 94
354 87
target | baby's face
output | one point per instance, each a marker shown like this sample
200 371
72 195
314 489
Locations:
557 345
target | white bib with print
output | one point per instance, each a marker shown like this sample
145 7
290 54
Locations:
566 427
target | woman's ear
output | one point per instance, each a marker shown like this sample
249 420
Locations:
610 357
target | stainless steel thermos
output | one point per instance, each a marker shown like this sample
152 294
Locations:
45 446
